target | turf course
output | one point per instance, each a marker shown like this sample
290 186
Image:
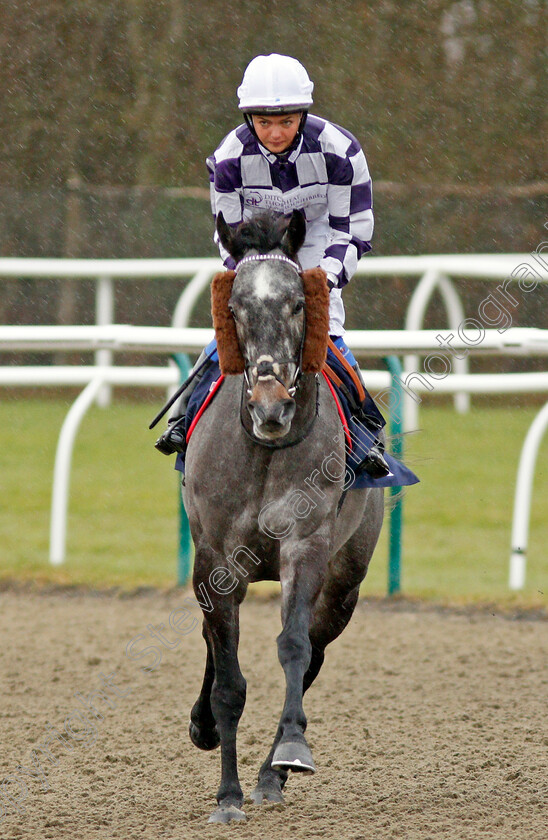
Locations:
122 528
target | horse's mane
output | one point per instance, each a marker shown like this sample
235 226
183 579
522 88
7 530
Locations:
263 233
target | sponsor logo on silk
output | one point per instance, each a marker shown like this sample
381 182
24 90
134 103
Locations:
293 200
253 199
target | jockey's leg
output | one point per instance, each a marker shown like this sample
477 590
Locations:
374 462
174 439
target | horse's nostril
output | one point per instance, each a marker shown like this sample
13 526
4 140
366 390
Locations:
287 411
256 410
272 417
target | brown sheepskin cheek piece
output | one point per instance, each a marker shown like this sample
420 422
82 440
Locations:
317 319
230 358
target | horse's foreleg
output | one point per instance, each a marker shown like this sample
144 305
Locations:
331 613
227 703
302 572
301 577
271 779
202 727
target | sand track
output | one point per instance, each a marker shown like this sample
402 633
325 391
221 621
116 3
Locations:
423 723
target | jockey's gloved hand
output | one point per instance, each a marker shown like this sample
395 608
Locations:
332 280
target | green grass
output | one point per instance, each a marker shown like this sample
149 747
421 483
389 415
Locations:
122 528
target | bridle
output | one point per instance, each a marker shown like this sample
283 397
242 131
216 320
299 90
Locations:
263 257
265 369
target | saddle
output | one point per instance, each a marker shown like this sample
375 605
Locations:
360 390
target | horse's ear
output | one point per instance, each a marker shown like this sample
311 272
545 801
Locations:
316 296
224 233
230 357
295 233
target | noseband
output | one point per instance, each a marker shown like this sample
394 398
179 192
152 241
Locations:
265 369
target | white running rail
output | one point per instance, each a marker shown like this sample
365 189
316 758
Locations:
436 272
168 339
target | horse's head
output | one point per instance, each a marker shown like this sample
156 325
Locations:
271 320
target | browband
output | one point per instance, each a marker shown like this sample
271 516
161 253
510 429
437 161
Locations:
261 257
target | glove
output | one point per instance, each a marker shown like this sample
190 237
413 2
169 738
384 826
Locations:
332 280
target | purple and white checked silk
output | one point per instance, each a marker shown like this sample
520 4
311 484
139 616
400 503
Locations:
326 176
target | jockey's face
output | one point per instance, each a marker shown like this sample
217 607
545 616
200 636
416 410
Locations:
276 133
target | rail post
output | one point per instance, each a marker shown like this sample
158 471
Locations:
104 314
396 435
61 470
184 548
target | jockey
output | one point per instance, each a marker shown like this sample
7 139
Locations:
282 158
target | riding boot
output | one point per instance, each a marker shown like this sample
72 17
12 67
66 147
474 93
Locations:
174 438
374 463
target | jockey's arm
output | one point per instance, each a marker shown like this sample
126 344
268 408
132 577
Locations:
349 202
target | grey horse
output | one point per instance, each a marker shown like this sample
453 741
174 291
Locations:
264 492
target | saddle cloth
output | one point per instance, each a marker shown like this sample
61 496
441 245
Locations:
359 439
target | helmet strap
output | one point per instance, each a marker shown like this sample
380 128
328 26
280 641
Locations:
249 122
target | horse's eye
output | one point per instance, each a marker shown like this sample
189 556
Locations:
231 310
299 306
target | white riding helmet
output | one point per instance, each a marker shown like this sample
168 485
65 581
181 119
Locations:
275 84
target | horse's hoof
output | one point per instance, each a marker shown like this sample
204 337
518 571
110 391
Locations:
204 739
266 795
227 813
295 756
